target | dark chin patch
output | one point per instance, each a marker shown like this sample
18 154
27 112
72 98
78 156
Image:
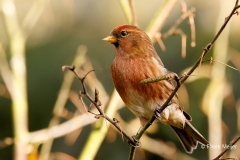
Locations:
116 44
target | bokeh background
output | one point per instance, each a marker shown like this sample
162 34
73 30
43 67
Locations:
54 40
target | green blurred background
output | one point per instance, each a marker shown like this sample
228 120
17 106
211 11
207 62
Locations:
66 24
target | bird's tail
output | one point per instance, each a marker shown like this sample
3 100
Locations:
189 137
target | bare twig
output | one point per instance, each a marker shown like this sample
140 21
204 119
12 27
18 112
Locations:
231 144
213 60
61 101
174 30
153 145
113 121
175 26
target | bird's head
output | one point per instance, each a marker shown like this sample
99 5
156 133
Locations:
130 40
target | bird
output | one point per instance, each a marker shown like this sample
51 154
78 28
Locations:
136 59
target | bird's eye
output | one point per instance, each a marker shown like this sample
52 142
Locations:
124 33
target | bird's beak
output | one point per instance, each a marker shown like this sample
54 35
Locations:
110 39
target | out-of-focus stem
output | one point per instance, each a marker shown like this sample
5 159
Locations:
128 9
159 20
100 129
5 69
33 15
19 88
61 100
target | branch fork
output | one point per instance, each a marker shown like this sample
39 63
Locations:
97 103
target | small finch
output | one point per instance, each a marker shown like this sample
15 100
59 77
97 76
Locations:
136 60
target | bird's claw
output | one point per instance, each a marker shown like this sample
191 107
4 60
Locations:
157 114
137 143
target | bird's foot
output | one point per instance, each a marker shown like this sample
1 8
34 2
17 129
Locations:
137 143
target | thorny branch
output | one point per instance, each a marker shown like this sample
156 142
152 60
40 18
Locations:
96 102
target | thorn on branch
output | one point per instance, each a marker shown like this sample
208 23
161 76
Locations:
96 115
157 114
97 97
115 120
73 67
207 47
211 60
186 75
236 12
81 94
136 144
117 123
